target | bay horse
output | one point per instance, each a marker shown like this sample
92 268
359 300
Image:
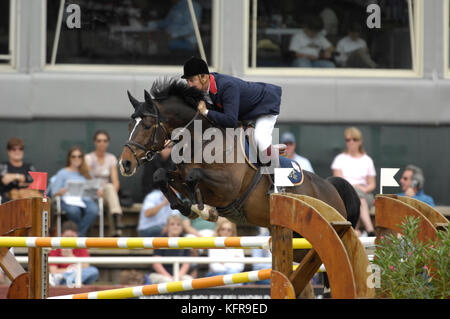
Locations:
239 192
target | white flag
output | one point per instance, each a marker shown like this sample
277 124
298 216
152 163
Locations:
281 176
387 178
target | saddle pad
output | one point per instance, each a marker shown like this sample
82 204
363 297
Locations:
296 175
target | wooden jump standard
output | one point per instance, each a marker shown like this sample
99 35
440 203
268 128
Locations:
334 242
391 211
25 217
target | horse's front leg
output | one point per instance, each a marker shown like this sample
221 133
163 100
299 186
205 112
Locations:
192 180
161 180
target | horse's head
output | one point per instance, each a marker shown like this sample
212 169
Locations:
147 135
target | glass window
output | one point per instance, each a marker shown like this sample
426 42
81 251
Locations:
127 32
332 34
447 37
5 53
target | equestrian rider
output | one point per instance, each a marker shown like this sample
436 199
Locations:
231 99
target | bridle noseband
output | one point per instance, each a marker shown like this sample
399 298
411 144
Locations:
150 152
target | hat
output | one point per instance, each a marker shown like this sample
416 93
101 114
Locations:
287 137
194 66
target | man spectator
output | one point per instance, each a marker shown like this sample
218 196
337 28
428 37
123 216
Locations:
311 48
412 183
289 139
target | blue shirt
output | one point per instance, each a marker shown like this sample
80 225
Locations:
420 195
60 179
153 199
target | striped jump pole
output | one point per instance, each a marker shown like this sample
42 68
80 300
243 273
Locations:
176 286
262 242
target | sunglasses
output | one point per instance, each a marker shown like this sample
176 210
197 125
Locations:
16 149
101 141
76 156
352 139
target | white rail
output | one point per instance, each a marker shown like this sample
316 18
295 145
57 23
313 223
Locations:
175 261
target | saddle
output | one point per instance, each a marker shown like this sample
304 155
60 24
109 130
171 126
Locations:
247 143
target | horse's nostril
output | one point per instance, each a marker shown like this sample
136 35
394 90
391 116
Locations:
126 165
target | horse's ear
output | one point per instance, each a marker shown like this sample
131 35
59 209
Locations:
148 97
133 101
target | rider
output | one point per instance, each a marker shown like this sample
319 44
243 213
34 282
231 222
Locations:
238 100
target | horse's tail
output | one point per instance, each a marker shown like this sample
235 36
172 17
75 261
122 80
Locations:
349 196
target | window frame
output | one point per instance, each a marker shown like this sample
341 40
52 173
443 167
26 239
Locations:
127 68
11 57
446 40
415 72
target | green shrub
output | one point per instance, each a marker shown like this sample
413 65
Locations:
412 269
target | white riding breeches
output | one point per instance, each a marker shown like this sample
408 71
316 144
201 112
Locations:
263 131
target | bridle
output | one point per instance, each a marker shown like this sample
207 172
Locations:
151 152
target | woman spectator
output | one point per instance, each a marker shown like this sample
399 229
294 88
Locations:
225 228
84 212
358 169
103 165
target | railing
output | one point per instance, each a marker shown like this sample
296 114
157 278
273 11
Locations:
175 261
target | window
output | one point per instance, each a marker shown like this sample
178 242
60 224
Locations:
315 35
7 11
132 32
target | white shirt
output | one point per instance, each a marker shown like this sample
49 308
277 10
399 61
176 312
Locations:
304 163
302 43
354 169
153 199
346 45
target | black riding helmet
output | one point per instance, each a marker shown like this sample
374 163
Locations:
194 66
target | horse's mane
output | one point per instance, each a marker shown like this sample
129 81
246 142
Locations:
165 88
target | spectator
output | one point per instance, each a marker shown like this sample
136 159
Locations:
289 139
61 274
353 51
412 183
164 273
178 25
154 213
85 210
103 165
225 228
311 48
14 173
358 169
198 227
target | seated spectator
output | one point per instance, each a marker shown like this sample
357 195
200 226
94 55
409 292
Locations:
164 272
358 169
154 213
353 51
198 227
311 48
65 274
412 183
103 165
83 211
178 26
289 139
225 228
14 177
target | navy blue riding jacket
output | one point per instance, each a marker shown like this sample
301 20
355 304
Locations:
239 100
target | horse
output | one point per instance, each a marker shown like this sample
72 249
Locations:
236 190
